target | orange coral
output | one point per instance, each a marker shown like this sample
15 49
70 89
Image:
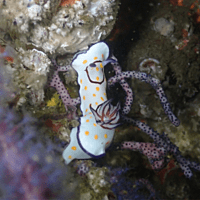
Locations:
8 58
194 4
67 2
176 2
2 49
169 170
184 33
54 126
198 19
196 15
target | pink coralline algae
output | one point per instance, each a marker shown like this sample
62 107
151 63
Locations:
155 155
157 152
59 86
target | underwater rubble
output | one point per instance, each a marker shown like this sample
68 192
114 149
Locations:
160 38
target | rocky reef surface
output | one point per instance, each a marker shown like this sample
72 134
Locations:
156 37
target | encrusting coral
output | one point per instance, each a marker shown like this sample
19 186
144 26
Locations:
58 26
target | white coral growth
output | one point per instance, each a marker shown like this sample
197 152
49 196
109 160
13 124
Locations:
61 29
36 66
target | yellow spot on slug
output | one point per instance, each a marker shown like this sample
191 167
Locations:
94 95
94 124
86 110
87 120
90 113
70 157
102 98
85 61
97 88
73 148
86 132
105 135
81 81
97 68
85 88
97 78
83 97
96 103
104 94
95 58
96 137
90 116
101 65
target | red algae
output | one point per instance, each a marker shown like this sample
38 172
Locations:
67 2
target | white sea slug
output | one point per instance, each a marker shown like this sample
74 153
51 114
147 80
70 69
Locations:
97 125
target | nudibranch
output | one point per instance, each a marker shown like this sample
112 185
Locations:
100 118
